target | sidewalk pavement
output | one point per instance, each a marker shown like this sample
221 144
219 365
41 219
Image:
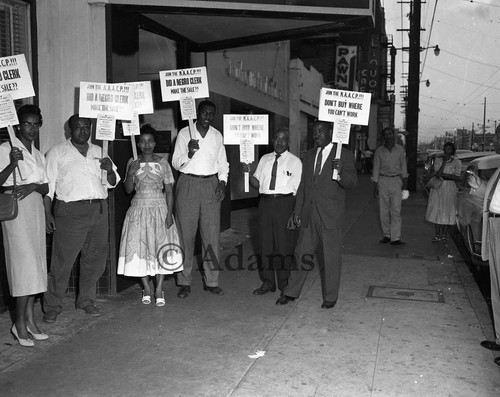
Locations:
408 323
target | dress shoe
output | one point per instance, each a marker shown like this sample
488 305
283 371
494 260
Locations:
490 345
22 342
398 242
284 299
385 240
262 290
50 316
328 304
184 291
91 310
214 290
497 361
40 336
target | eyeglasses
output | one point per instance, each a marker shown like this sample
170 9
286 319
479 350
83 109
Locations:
82 127
29 125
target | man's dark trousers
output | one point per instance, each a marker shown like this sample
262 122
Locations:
276 241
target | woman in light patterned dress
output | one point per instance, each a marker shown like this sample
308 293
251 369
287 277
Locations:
441 207
149 230
24 236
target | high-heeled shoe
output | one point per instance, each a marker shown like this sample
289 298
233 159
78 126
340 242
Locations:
40 336
146 299
22 342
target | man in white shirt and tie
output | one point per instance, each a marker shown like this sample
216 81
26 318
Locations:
201 160
277 178
76 211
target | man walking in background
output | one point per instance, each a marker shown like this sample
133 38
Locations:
390 178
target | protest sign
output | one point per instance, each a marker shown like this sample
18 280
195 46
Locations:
105 128
177 84
131 128
188 108
143 98
104 98
246 130
8 115
343 108
15 78
254 127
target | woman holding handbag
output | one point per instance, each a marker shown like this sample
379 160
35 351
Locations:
23 174
441 207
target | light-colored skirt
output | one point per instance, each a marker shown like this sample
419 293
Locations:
145 239
442 204
25 248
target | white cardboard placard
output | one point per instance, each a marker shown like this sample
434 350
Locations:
15 78
354 107
104 98
143 97
180 83
252 127
188 108
105 128
131 127
8 114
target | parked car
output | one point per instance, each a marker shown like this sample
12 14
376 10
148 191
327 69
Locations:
465 156
422 158
473 204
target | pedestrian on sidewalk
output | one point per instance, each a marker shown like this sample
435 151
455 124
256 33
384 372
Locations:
24 236
319 212
441 207
201 160
491 211
78 217
277 178
149 224
390 178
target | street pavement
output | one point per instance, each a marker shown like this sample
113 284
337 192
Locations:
408 322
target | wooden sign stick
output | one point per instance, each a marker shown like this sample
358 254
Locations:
104 173
12 135
337 156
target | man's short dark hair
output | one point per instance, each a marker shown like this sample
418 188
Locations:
74 119
204 103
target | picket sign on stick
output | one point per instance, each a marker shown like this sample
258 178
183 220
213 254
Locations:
246 130
143 104
16 84
107 102
12 134
343 108
185 85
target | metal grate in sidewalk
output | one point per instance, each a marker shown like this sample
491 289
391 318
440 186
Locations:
410 294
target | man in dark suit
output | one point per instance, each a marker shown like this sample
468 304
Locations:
319 211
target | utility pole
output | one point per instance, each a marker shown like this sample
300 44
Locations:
472 137
413 94
484 122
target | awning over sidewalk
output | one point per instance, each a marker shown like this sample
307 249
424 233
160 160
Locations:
214 25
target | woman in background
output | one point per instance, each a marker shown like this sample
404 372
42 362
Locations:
441 207
149 223
23 165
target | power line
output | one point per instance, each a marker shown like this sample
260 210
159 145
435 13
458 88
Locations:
429 37
483 3
461 78
469 60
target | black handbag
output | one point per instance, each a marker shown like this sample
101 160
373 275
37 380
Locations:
8 204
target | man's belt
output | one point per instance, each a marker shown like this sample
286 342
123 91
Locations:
89 201
201 176
390 176
276 195
493 215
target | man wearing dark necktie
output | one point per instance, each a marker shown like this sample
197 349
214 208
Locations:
319 211
277 178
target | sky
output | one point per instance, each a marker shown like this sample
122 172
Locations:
466 71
